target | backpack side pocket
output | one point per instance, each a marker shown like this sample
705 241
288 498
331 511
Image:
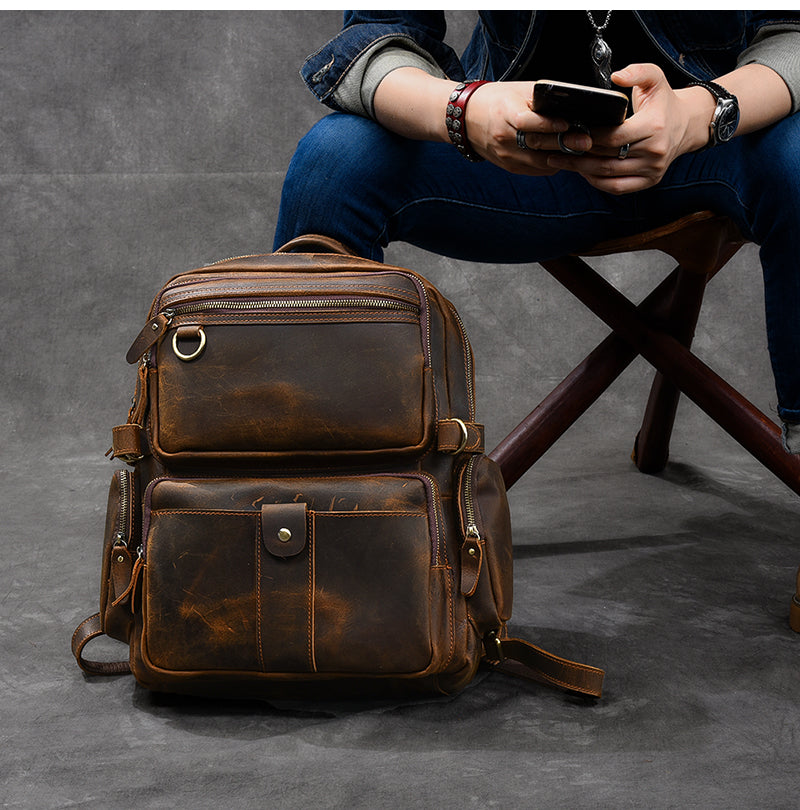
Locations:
487 575
119 557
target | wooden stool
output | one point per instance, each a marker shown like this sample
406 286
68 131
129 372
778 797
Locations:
660 329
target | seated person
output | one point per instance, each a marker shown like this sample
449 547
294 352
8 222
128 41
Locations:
714 125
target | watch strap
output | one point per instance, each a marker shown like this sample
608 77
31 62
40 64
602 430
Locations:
716 90
720 94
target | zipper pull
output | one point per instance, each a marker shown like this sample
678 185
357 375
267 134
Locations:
139 400
127 575
471 561
153 332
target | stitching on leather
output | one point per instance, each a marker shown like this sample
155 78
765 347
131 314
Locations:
311 588
376 513
204 512
259 612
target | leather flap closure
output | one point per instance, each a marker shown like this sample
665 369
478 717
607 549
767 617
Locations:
149 335
121 571
471 559
283 528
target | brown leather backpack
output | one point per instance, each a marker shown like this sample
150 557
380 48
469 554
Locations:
307 508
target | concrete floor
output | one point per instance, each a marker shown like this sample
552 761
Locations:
678 585
138 145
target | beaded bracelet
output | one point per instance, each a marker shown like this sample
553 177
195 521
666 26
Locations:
455 118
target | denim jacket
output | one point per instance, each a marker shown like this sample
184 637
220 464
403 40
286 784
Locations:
700 44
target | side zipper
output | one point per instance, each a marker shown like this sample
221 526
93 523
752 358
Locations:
124 569
472 547
123 535
472 530
469 361
434 501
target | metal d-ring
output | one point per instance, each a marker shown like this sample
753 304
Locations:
196 353
464 435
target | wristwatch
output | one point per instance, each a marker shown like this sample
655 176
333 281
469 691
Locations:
726 115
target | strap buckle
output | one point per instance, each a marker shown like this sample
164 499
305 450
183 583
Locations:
493 647
464 436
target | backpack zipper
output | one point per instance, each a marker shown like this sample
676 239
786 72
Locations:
469 506
157 327
122 536
469 360
287 303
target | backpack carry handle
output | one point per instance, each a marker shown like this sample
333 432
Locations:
315 243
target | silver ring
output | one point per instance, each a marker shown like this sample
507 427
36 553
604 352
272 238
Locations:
521 142
565 149
623 151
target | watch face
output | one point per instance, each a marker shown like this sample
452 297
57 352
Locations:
726 120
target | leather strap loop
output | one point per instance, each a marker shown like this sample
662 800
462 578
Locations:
87 630
525 660
127 443
458 436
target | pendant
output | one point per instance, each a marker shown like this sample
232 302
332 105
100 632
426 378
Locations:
601 57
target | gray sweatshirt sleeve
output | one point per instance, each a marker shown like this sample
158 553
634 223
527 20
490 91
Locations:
357 89
778 47
775 46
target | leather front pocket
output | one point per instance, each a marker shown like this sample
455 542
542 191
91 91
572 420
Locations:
315 372
328 575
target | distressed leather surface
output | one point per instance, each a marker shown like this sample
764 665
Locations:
292 388
370 595
296 375
303 485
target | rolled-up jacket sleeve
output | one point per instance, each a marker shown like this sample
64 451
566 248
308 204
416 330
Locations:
777 46
364 36
356 91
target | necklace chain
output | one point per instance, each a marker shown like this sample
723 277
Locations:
600 52
599 28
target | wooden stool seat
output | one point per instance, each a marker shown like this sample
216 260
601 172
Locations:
661 330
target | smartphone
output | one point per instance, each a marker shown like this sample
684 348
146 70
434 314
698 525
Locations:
579 105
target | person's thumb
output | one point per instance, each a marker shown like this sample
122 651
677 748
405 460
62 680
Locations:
646 77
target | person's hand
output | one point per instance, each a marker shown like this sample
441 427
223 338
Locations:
666 123
497 111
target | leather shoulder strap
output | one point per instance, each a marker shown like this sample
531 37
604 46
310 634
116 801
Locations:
87 630
512 656
525 660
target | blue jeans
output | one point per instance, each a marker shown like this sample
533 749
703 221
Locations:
353 180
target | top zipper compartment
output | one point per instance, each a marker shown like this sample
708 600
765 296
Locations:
289 304
291 286
252 292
